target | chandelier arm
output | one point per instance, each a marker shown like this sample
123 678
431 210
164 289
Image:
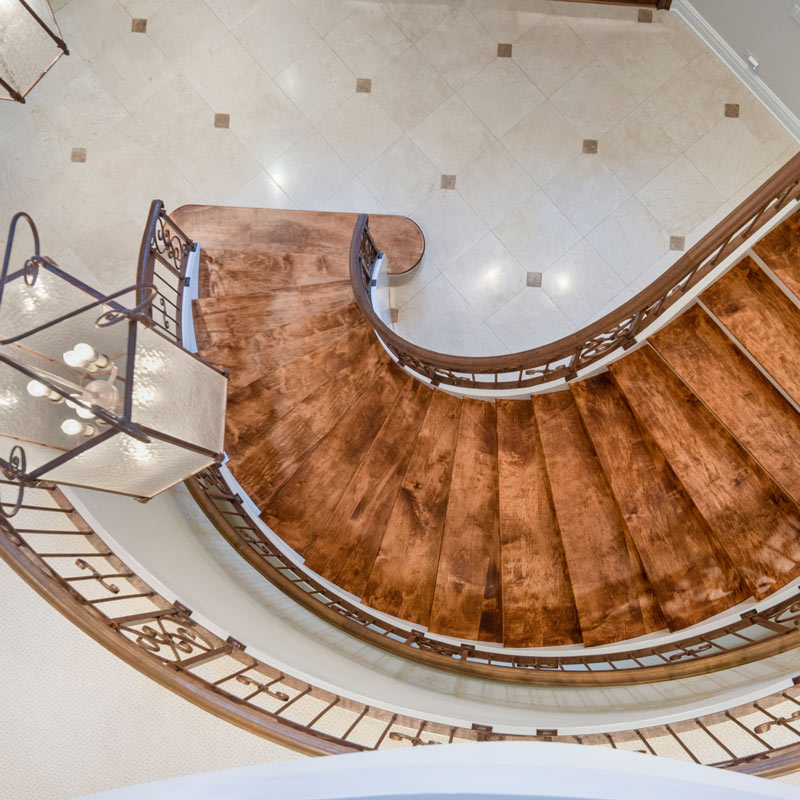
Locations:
10 243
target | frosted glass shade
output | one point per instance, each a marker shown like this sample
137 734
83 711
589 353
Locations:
30 43
169 419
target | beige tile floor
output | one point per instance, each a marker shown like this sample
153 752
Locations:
512 130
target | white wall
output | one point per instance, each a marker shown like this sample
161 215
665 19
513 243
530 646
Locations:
765 28
486 771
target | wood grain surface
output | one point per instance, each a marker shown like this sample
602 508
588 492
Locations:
736 392
467 601
538 606
751 517
762 318
613 598
691 575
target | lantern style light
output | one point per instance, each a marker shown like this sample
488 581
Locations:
92 391
30 43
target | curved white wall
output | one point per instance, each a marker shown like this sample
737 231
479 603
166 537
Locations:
171 544
502 770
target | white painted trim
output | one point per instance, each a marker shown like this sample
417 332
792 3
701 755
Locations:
736 64
190 294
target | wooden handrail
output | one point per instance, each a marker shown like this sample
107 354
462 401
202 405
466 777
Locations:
160 639
616 330
754 636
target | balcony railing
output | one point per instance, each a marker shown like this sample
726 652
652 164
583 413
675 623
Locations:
754 636
57 552
615 331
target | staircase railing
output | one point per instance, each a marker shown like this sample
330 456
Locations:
57 552
163 258
615 331
754 636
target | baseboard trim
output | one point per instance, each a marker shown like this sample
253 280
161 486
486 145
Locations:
736 64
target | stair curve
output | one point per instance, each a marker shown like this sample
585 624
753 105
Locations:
651 496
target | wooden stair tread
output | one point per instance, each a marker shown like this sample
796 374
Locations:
612 596
756 523
302 507
260 404
264 464
231 273
780 249
732 387
538 606
467 601
355 528
235 316
691 575
413 533
278 346
762 318
289 231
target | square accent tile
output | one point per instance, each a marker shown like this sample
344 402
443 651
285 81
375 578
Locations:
394 314
364 85
138 26
79 155
677 242
645 15
222 120
731 109
590 145
504 51
534 279
448 182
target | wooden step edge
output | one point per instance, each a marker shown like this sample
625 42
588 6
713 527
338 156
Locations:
388 421
289 366
779 485
719 552
266 501
266 516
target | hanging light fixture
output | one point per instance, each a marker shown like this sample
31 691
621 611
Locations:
92 391
30 43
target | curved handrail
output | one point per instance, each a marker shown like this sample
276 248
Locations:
70 565
618 329
754 636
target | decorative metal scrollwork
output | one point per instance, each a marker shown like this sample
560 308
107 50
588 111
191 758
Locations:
14 470
111 587
416 741
261 688
181 640
765 726
687 652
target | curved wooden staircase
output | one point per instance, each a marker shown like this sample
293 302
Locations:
653 495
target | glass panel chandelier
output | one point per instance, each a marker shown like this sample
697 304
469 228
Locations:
92 392
30 43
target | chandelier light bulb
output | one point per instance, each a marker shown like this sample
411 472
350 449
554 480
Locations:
83 413
72 359
37 389
72 427
85 352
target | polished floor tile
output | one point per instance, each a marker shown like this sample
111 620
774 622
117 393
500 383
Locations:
475 124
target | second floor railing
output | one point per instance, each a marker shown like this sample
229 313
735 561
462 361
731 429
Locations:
618 330
757 634
54 549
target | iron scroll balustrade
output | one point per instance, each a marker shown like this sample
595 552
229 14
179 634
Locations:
163 258
617 330
57 553
754 636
